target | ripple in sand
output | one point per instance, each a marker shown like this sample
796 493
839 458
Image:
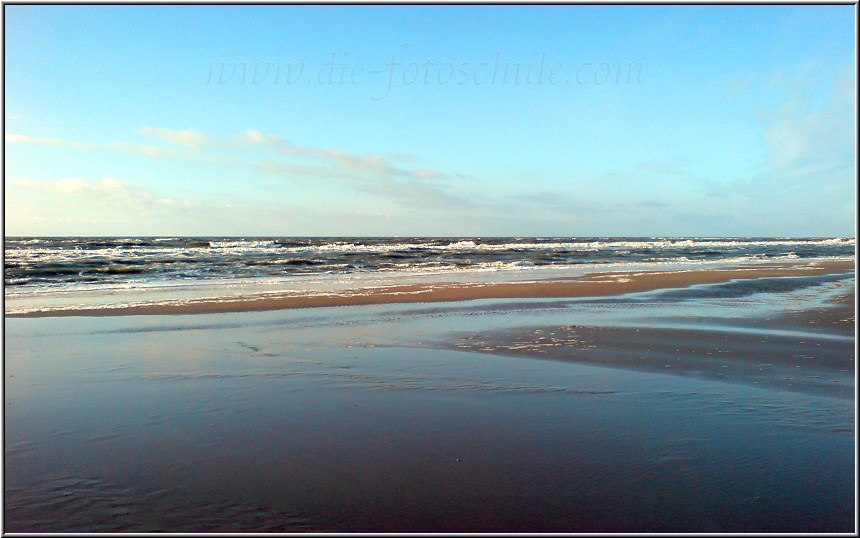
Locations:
104 437
20 448
92 505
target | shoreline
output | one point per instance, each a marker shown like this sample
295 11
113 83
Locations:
600 284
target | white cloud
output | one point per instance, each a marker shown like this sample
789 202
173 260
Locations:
403 157
75 206
186 138
339 163
377 180
254 137
802 133
135 149
368 173
106 194
14 138
142 150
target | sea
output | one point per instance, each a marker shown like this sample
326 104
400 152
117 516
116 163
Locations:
109 262
43 273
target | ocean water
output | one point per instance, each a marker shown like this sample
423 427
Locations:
91 263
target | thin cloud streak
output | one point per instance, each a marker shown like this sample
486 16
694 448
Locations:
344 161
153 152
14 138
186 138
368 173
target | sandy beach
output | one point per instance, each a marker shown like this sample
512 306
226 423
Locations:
699 401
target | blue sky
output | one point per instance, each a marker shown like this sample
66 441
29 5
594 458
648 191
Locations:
430 120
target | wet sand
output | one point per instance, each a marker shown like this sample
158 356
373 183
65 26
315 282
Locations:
810 350
685 415
838 316
800 363
591 285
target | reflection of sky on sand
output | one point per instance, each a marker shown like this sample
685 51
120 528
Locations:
433 438
512 440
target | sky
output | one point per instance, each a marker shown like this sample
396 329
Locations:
562 120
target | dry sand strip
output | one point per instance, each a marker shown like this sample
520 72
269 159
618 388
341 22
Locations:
591 285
